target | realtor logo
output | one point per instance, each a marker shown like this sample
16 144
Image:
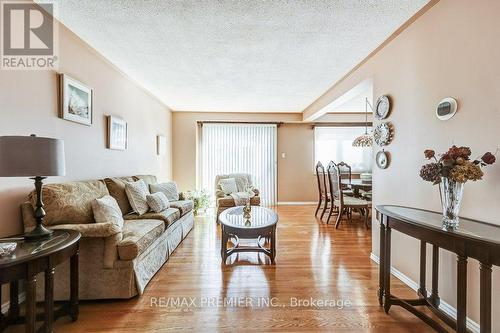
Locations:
28 36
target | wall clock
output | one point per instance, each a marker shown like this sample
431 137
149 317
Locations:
382 107
383 134
382 159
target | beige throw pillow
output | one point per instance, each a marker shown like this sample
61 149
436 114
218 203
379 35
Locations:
228 185
136 193
106 210
168 188
157 201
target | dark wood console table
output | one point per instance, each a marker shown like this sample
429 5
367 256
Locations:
31 258
473 239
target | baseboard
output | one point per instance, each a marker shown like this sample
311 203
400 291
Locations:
6 305
445 307
296 203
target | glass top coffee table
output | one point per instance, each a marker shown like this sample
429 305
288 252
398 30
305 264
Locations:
261 226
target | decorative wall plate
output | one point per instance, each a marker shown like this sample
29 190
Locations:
382 159
383 134
382 107
447 108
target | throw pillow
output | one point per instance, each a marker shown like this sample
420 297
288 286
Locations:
136 193
106 210
228 185
168 188
157 201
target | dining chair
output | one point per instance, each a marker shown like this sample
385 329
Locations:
322 192
345 204
346 174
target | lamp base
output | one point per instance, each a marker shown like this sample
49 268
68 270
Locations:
40 232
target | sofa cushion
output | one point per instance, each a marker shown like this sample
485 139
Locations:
116 188
184 206
106 210
228 201
136 194
138 235
168 216
158 202
70 203
168 188
148 179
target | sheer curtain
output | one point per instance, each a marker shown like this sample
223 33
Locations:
240 148
335 144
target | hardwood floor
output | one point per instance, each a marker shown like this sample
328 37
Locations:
313 261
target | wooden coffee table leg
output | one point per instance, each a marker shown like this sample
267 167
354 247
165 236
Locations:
223 245
73 300
273 244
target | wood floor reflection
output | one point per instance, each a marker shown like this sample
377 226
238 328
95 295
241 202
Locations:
313 261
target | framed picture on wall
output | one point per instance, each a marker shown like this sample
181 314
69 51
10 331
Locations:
117 133
161 145
75 101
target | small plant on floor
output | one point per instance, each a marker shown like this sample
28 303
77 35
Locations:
451 171
201 200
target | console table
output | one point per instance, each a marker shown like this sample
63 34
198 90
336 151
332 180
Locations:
473 239
31 258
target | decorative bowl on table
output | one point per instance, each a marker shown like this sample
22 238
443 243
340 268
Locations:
7 249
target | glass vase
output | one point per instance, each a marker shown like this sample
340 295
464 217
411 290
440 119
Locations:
451 198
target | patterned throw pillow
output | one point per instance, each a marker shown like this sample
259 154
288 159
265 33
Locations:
106 210
157 201
228 185
168 188
136 193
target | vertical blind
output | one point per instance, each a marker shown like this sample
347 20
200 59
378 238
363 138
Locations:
335 144
240 148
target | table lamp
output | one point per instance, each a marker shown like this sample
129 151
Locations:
37 158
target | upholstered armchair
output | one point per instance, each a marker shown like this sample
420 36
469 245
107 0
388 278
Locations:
223 201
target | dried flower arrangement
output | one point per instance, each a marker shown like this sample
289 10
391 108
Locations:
455 165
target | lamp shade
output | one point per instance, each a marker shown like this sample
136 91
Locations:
30 156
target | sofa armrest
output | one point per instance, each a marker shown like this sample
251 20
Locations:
182 196
219 194
256 191
109 232
91 229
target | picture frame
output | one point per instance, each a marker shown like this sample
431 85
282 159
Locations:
117 138
76 100
161 145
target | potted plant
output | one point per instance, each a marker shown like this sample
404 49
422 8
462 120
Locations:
451 171
200 199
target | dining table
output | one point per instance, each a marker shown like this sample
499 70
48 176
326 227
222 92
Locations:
357 185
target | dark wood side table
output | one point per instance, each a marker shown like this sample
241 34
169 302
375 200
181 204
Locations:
31 258
473 239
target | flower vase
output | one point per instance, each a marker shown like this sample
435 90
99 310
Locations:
451 197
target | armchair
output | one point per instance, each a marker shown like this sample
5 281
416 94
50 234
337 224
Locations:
224 201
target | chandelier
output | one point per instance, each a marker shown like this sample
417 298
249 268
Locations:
365 140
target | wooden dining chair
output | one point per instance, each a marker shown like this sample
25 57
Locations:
345 204
346 175
322 192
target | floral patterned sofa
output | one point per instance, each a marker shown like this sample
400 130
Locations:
114 262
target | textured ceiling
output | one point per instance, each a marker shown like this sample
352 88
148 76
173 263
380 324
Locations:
230 55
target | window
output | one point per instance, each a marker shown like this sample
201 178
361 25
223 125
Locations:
335 144
240 148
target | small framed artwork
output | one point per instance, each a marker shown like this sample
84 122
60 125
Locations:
117 133
161 145
75 101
